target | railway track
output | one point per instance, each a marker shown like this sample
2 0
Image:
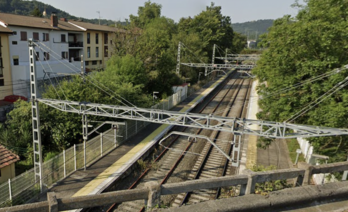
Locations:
169 160
211 163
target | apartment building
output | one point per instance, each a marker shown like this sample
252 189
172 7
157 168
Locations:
52 52
5 66
98 42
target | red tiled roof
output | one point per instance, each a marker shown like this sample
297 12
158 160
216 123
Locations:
7 157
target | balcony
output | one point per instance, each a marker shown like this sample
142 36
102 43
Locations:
76 44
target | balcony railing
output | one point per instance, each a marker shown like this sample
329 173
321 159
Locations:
75 44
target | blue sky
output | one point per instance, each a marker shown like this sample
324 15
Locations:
238 10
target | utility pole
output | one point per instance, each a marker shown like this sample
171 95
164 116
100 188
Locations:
99 16
35 116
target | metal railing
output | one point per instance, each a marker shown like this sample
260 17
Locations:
24 188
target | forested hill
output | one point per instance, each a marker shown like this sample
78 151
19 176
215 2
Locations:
253 28
36 8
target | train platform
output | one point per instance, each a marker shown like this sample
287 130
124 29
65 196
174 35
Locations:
112 166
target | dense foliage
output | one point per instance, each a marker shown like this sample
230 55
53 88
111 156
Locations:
252 29
300 48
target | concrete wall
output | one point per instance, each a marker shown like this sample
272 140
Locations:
153 191
5 54
7 172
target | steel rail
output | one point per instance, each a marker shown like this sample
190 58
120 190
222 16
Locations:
165 150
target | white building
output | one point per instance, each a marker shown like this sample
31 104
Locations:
57 51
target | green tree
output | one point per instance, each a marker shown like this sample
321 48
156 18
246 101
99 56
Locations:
146 14
301 48
239 42
36 12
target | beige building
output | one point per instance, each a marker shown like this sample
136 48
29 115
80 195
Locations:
5 64
7 164
97 43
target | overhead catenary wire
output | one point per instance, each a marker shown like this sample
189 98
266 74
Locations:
93 81
313 79
50 77
314 103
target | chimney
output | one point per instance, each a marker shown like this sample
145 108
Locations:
54 20
64 19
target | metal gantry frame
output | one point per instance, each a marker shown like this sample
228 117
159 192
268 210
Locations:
37 148
178 59
237 126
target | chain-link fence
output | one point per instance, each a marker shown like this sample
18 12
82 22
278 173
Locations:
25 187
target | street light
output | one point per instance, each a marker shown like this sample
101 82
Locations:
154 96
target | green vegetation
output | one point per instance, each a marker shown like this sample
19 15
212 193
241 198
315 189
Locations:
265 188
253 29
308 45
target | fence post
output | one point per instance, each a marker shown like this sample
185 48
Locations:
75 155
64 163
126 130
115 135
84 155
9 189
154 196
101 144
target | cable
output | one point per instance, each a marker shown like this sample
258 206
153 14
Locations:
113 96
313 79
314 103
48 76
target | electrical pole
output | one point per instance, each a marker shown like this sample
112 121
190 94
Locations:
99 16
35 116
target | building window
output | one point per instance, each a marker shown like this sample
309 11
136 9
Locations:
46 37
24 36
2 83
86 63
63 38
65 55
106 38
1 68
14 42
36 36
14 33
95 62
97 51
37 56
88 52
15 61
46 55
88 38
106 51
96 38
110 41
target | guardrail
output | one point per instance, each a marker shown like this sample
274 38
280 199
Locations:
153 191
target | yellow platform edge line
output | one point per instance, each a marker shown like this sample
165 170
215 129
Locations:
87 189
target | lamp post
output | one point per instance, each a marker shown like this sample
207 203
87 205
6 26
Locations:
154 96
